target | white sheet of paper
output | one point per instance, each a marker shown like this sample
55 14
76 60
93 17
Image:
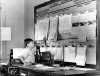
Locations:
80 32
38 33
91 55
91 31
53 27
76 18
65 24
52 50
81 56
41 29
17 52
90 16
75 31
69 54
86 16
59 53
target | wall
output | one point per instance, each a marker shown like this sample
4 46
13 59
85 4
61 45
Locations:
29 19
29 16
13 16
19 15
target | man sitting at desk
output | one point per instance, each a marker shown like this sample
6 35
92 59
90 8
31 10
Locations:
28 58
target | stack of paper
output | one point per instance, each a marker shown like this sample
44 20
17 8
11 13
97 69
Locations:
69 54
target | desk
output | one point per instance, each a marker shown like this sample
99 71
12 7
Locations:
55 71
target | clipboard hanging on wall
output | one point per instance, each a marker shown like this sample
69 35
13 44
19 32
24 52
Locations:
41 29
52 35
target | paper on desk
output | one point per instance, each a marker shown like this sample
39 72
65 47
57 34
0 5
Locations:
69 54
41 29
53 27
65 68
6 63
39 65
81 56
46 67
65 24
84 69
43 67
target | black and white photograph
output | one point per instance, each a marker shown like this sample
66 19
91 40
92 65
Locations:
49 38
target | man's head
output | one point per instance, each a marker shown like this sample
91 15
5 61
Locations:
29 42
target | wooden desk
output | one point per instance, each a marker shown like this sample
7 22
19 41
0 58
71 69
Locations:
55 71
